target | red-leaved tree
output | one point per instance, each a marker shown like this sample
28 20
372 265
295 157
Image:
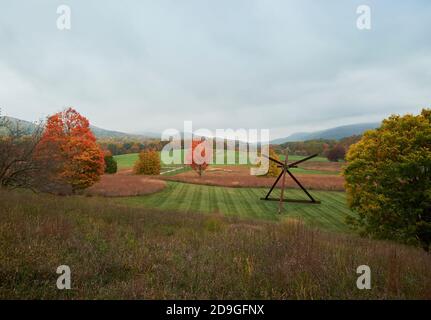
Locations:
199 156
338 152
69 148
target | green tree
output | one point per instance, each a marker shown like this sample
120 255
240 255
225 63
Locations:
388 180
110 163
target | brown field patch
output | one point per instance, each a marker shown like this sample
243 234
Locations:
239 176
121 185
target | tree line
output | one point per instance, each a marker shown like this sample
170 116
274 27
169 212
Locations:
334 150
117 146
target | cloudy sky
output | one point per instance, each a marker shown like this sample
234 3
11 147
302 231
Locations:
149 65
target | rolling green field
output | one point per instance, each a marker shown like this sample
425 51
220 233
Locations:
126 161
246 203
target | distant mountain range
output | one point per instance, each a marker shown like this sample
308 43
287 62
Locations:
336 133
148 134
28 127
23 125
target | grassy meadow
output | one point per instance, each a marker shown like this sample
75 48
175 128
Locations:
126 161
122 252
245 203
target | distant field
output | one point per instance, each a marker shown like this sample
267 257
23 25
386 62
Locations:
127 161
296 158
309 171
246 203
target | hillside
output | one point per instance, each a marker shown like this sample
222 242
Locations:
103 133
125 252
23 125
336 133
28 127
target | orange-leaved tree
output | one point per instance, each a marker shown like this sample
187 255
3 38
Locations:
70 147
199 156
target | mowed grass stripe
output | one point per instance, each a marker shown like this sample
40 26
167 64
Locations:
189 194
339 202
330 214
163 202
234 202
197 201
205 203
323 218
213 200
245 202
179 191
266 208
221 200
257 209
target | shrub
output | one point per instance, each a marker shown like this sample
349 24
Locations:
148 163
388 180
110 163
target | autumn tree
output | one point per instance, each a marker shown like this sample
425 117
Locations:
148 163
110 163
273 169
388 180
199 156
68 142
336 153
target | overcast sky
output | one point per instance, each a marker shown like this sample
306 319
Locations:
149 65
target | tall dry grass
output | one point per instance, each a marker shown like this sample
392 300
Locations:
120 252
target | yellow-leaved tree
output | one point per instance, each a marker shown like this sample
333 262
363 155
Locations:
273 170
148 163
388 180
